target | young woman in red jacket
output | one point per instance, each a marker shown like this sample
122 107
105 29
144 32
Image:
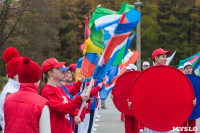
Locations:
62 106
26 111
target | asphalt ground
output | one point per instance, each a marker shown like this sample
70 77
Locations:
110 120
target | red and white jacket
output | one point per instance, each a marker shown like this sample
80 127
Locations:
61 108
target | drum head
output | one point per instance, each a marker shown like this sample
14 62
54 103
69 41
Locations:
195 80
162 98
122 91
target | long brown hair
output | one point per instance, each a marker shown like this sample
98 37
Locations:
44 80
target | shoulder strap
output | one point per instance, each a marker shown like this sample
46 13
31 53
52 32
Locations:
67 92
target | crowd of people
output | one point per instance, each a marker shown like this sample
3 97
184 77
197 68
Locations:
48 102
45 102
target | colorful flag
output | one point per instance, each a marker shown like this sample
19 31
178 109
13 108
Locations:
87 33
197 69
100 22
91 48
107 25
107 21
193 60
109 31
102 18
169 59
122 52
115 72
130 58
125 8
89 63
126 24
78 68
99 12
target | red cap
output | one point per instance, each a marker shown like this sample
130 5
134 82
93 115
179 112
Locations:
72 67
51 63
158 52
28 71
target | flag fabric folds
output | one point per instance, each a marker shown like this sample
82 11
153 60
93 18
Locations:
87 33
91 48
78 68
105 20
126 24
193 60
197 69
102 25
116 71
169 59
89 63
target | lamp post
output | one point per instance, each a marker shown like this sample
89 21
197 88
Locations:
138 36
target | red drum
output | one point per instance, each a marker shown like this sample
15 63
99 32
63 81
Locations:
162 98
122 91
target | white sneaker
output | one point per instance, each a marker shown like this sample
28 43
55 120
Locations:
95 125
141 130
96 119
95 129
99 116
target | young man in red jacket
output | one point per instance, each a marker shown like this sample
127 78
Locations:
159 57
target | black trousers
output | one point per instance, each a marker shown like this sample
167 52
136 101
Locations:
91 121
76 129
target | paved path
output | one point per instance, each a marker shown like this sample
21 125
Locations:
110 120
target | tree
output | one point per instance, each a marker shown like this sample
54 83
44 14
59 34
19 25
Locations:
71 30
36 34
150 29
10 14
175 21
195 18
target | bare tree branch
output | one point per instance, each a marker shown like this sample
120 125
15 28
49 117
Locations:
5 17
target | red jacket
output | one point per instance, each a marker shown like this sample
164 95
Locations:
62 106
94 91
74 89
22 110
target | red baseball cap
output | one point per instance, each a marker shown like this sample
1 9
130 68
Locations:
51 63
158 52
72 67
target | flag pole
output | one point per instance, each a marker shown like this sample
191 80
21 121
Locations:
88 92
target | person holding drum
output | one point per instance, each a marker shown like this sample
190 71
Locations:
145 65
159 57
131 123
189 123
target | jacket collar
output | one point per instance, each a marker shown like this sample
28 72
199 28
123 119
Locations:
14 82
31 87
